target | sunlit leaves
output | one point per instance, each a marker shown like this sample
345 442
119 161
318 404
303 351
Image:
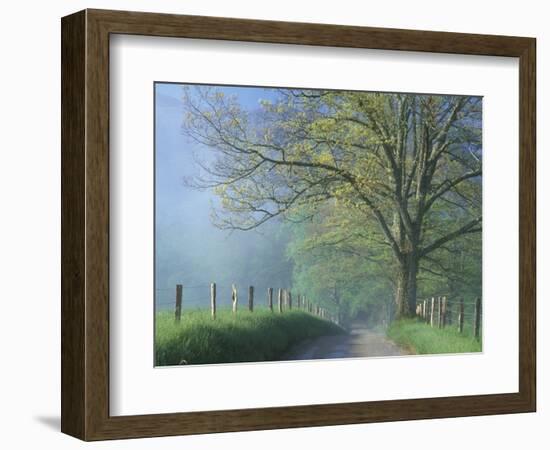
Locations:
402 169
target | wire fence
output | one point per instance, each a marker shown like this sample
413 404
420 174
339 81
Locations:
439 311
197 296
442 312
200 296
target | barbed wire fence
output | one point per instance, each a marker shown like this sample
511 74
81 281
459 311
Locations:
437 311
206 295
442 312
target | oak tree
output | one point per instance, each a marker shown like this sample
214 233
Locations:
406 167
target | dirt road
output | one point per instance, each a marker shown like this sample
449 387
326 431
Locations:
360 342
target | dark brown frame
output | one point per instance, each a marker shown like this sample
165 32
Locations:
85 224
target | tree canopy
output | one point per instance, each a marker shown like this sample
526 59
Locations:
380 190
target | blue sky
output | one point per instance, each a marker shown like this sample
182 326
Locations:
173 153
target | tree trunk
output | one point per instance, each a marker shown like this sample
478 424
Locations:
405 295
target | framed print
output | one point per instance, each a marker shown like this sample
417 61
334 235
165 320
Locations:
270 224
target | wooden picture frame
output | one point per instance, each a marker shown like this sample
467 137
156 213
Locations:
85 224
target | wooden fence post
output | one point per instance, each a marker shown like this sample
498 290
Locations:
251 298
461 316
477 318
179 295
449 312
234 298
432 312
427 312
443 311
424 312
289 295
213 299
270 299
280 300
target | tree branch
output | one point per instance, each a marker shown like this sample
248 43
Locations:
462 230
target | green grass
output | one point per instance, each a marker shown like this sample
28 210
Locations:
424 340
257 336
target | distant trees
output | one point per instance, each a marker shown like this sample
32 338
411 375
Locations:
337 262
391 179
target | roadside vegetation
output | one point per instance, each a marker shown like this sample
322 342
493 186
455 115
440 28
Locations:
422 339
259 336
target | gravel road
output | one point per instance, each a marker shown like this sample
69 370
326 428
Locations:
361 342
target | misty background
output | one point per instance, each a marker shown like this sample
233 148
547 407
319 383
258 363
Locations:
335 256
189 249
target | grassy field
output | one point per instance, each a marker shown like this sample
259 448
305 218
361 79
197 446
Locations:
258 336
423 339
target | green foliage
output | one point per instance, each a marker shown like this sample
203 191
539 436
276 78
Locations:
425 340
384 190
340 267
258 336
455 270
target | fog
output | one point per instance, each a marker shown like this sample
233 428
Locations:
189 249
342 251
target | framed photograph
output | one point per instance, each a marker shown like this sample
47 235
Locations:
273 225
